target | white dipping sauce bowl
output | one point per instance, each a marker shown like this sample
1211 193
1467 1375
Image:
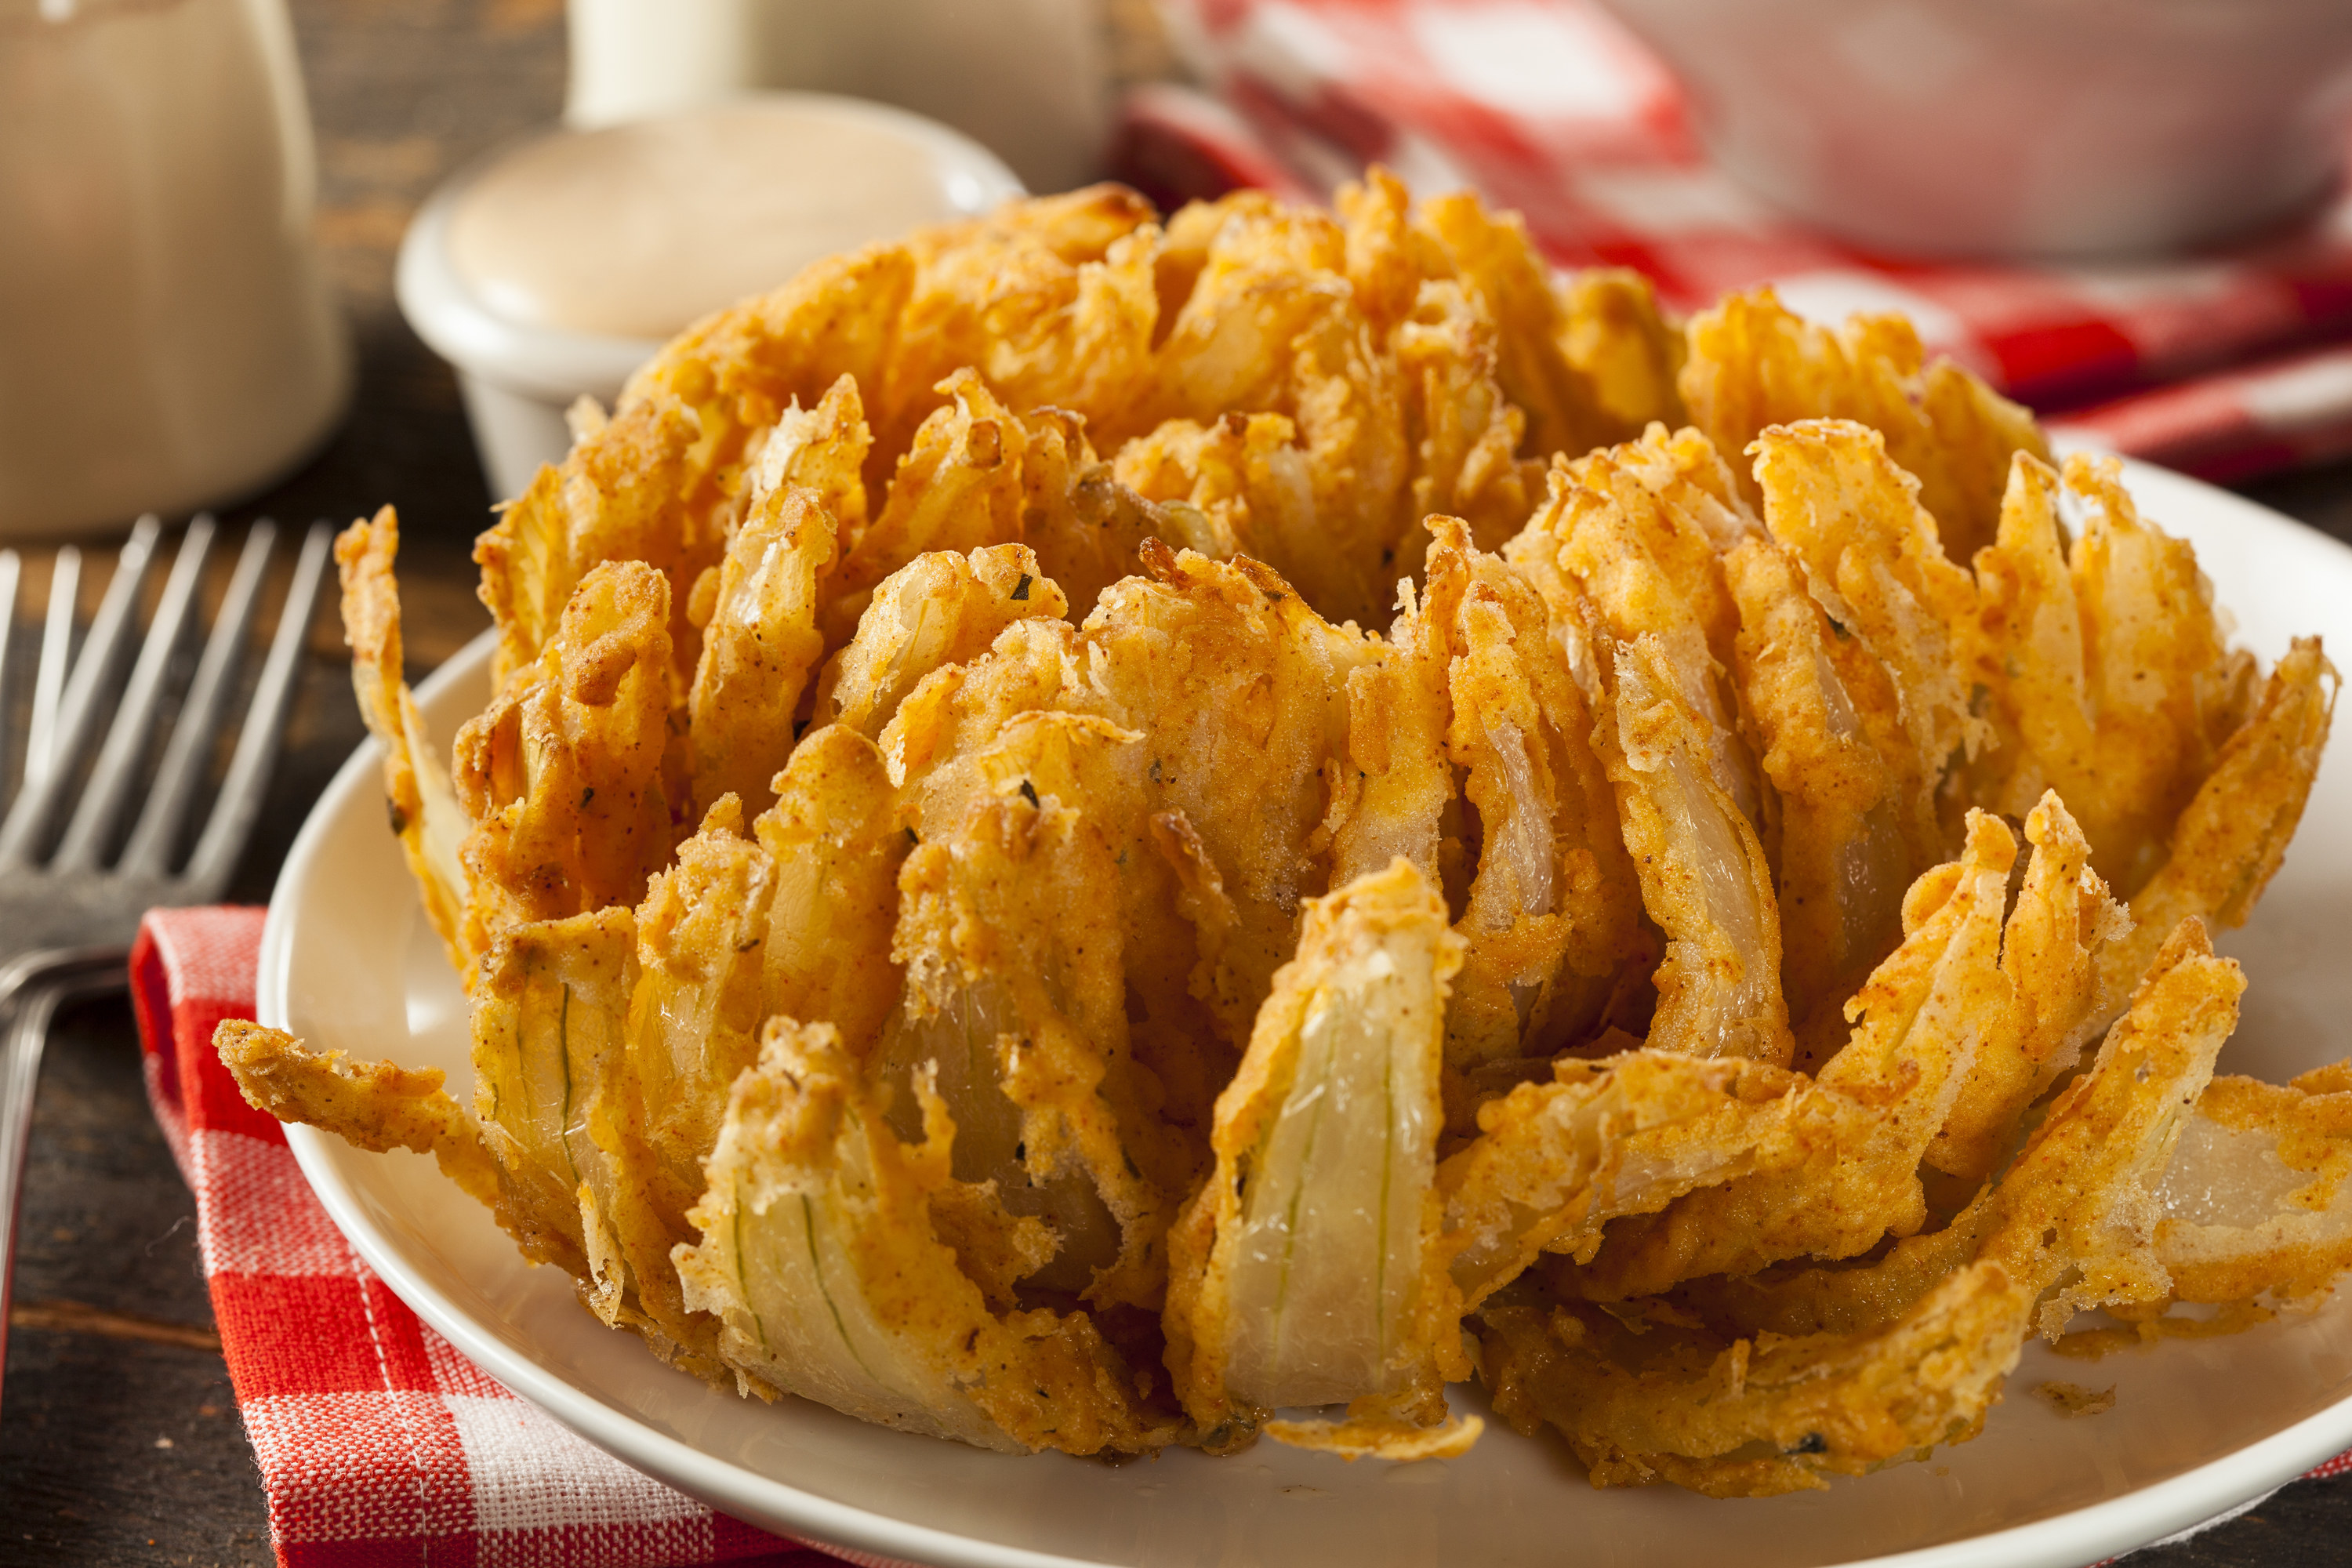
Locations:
519 369
2049 128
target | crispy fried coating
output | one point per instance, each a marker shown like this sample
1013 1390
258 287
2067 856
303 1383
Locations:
956 489
1587 369
1270 326
1895 1357
1628 351
556 1095
759 643
1306 1271
1835 498
1553 1162
2229 842
938 610
1644 545
1237 485
2106 667
1640 1404
424 805
820 1260
2253 1203
822 449
1551 912
1461 433
1860 1134
1754 364
1705 879
1156 988
661 481
1052 301
2061 930
1399 708
1088 528
562 774
1010 931
2079 1202
1240 690
1387 259
695 1012
836 841
1856 823
374 1105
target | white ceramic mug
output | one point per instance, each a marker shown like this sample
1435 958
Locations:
166 337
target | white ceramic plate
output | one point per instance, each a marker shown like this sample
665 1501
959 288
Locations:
349 962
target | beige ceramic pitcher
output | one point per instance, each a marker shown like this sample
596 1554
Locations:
166 337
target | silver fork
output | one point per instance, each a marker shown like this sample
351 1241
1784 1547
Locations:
68 908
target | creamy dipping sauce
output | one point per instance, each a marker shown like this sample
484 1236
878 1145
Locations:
637 230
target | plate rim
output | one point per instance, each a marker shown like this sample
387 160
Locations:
2064 1539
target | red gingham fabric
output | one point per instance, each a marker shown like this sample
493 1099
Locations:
378 1443
1551 108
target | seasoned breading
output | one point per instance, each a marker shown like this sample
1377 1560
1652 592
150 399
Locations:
938 610
2106 666
1463 436
2254 1201
1053 302
1009 928
1857 822
836 842
2059 934
1648 559
660 481
562 775
1834 499
374 1105
958 489
1308 1271
423 802
1860 1131
1587 365
1754 364
2229 842
695 1012
1554 1162
820 1261
1187 832
1875 1370
1551 911
1270 326
1705 879
759 643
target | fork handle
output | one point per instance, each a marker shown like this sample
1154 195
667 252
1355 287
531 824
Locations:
31 990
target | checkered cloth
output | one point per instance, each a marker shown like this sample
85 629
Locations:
1551 108
378 1443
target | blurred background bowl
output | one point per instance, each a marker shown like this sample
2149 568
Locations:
2018 127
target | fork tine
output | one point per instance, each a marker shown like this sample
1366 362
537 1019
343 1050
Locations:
11 568
101 656
127 737
149 851
57 657
231 822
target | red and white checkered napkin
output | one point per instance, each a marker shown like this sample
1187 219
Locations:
1549 106
378 1443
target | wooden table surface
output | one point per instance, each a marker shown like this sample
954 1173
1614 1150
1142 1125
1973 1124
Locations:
118 1441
